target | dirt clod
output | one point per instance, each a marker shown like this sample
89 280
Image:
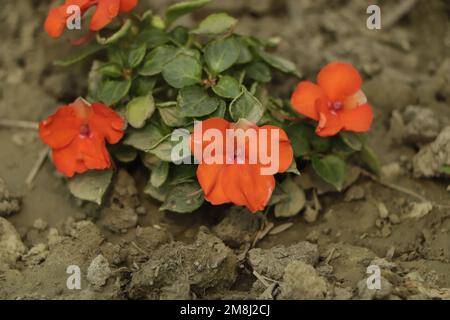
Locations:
98 271
432 158
11 247
9 204
206 265
272 262
301 282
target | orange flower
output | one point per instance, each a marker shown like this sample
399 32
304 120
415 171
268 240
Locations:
231 181
76 134
336 101
105 11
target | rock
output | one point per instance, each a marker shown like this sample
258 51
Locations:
342 293
124 193
40 224
118 220
238 227
394 219
354 193
36 255
301 282
382 210
272 262
374 294
349 262
9 204
310 215
392 170
206 264
432 158
150 238
421 125
98 271
419 210
11 246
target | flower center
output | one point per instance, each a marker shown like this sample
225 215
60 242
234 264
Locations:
85 132
336 105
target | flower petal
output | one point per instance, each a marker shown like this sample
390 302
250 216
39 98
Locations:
55 21
197 142
105 121
104 13
329 122
358 119
81 155
127 5
245 186
339 80
304 99
58 130
209 176
285 153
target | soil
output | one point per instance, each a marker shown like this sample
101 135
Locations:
130 250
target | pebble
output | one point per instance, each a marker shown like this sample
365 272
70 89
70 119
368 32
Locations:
40 224
394 219
310 214
382 210
98 271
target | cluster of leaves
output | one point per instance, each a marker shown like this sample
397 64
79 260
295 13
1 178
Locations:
162 77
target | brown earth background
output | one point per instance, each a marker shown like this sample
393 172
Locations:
130 250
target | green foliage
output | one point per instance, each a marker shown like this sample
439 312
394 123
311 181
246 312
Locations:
163 77
91 186
330 168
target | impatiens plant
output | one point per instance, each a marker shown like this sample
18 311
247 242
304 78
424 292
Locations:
156 88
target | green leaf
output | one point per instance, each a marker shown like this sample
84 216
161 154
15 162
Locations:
157 193
220 111
157 59
111 92
143 86
221 54
216 24
112 70
182 71
122 32
194 101
136 55
144 139
183 173
184 198
227 87
293 168
180 35
153 38
159 174
352 140
278 63
91 186
445 169
171 116
258 71
80 55
245 55
163 150
180 9
246 106
370 159
300 134
330 168
295 201
125 154
139 110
